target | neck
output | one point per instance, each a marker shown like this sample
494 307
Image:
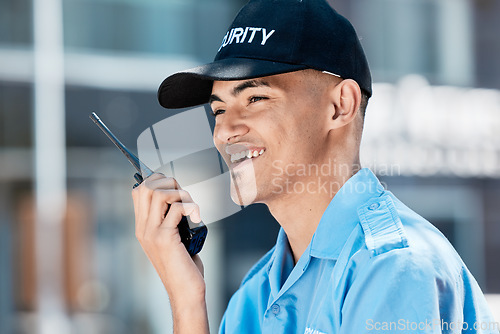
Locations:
299 213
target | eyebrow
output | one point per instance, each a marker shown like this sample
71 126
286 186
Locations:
240 88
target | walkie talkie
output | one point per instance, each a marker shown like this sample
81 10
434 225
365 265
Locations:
193 238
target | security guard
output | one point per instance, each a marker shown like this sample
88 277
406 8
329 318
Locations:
288 88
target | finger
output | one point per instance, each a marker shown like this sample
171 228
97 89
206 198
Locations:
142 201
135 200
177 210
171 195
145 193
143 197
141 206
155 176
156 181
160 201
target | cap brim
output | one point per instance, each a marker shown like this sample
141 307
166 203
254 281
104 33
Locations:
194 86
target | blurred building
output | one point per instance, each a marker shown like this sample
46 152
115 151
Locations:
431 134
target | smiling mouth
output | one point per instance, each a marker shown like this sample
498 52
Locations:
247 154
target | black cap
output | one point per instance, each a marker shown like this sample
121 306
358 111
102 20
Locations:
270 37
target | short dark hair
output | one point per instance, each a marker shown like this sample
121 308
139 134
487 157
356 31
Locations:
364 103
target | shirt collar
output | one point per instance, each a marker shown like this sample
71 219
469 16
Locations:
281 263
341 217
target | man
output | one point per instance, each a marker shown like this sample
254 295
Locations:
289 87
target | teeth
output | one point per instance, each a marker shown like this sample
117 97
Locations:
246 154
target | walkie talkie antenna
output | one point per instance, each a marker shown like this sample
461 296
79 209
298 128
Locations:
141 168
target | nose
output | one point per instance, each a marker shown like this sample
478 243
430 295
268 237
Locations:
230 126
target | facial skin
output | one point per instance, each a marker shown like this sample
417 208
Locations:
293 119
271 116
287 117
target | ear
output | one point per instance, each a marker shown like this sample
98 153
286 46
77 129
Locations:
346 99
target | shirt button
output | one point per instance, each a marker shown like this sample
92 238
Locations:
374 206
275 309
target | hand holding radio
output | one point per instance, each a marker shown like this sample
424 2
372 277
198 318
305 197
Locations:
171 233
159 204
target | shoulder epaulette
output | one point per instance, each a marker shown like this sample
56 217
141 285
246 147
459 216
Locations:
381 225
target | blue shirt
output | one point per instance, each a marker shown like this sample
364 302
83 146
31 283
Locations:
372 266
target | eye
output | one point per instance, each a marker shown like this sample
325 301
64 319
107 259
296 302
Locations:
218 112
254 99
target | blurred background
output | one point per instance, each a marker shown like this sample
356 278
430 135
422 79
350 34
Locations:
69 261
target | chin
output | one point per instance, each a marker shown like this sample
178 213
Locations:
243 193
243 184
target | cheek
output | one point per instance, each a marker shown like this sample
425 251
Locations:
217 143
283 134
304 139
270 127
